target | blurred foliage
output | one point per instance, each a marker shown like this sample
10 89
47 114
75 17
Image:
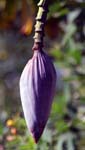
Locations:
65 43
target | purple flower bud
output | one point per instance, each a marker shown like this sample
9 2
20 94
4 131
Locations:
37 89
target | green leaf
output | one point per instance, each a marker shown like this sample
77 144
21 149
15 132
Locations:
58 54
57 8
28 144
1 129
74 56
61 126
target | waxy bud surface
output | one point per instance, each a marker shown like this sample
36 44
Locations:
37 89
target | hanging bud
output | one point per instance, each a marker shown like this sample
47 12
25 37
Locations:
37 89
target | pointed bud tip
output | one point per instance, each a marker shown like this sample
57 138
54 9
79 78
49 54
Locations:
36 137
36 134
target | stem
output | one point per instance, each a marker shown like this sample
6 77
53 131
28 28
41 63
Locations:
40 23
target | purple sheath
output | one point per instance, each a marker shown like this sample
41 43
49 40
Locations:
37 89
